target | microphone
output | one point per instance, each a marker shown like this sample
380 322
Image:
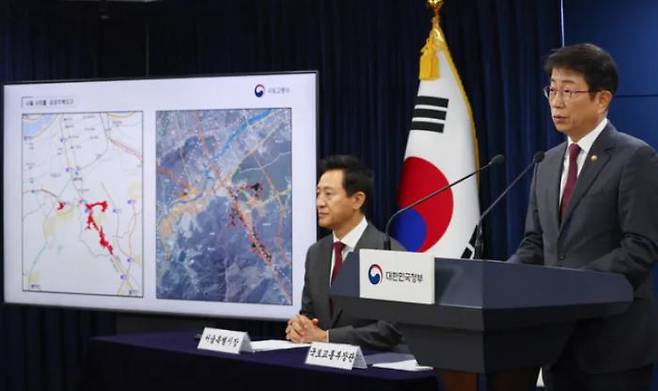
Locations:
537 157
498 159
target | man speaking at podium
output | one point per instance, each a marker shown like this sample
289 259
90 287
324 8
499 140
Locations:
342 195
594 205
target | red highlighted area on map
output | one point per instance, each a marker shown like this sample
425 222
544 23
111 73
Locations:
91 223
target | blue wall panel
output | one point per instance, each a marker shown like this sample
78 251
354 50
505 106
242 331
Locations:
627 29
637 116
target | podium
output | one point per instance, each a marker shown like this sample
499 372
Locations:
490 317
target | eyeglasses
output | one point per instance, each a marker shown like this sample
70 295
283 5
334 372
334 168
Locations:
566 94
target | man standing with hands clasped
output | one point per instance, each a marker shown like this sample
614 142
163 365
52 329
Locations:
594 205
342 194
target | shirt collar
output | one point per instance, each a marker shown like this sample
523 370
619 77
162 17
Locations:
587 141
352 238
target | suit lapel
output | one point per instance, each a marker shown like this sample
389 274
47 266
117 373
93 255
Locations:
554 172
366 240
324 275
591 169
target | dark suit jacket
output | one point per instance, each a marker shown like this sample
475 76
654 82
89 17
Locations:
610 225
343 328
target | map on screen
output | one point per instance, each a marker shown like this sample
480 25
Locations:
224 195
82 203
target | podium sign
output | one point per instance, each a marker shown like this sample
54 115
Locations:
396 276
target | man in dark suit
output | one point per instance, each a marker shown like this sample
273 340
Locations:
343 191
594 205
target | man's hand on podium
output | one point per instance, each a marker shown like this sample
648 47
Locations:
301 329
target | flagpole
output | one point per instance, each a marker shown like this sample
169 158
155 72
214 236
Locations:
436 6
429 61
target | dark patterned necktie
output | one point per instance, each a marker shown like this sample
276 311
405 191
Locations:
338 259
572 175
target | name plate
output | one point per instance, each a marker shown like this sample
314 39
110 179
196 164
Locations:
335 355
225 341
396 276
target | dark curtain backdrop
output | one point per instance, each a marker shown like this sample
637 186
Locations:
367 55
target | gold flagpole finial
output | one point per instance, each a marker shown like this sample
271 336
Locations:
435 5
429 62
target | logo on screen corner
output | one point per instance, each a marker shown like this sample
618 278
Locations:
259 90
375 274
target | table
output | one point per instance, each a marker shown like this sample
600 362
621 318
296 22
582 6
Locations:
171 361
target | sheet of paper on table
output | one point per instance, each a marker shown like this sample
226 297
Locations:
276 344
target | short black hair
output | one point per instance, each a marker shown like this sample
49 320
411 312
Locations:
595 64
356 175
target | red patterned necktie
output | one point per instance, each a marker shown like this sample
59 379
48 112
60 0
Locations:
572 175
338 259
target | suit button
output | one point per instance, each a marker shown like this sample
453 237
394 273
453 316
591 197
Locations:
562 257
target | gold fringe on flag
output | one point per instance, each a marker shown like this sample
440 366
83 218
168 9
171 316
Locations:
429 60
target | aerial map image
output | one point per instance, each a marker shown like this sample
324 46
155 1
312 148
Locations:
224 205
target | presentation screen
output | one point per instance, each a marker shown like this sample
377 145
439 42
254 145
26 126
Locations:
183 195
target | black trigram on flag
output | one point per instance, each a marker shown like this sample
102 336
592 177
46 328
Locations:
469 251
429 113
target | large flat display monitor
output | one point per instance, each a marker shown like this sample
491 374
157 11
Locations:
182 195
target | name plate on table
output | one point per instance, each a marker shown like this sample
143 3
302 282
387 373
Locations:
335 355
225 341
396 276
